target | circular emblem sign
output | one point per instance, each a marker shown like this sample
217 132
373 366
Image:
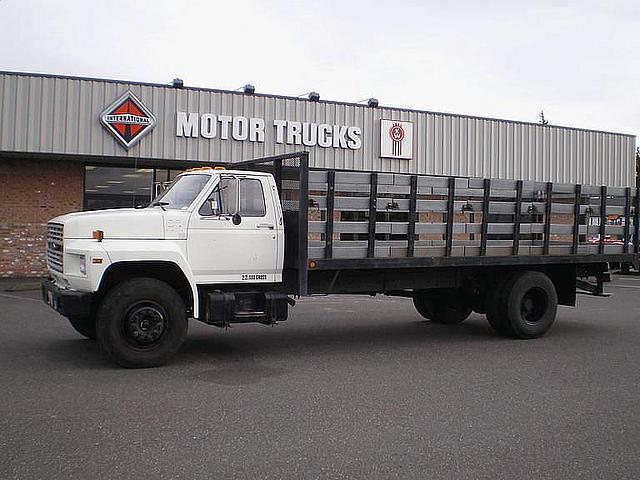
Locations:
396 132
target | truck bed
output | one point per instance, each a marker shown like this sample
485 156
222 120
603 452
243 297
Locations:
345 220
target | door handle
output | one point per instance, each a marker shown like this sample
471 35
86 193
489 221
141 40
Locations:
270 226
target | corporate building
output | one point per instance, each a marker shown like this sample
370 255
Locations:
69 144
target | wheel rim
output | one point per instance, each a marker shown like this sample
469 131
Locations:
533 305
144 325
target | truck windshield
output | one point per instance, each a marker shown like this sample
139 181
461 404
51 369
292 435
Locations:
182 192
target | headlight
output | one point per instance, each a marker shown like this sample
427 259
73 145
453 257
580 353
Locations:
83 265
75 264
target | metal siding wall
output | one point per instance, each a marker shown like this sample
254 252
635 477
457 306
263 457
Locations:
61 115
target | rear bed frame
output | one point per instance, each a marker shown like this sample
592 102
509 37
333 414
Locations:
407 221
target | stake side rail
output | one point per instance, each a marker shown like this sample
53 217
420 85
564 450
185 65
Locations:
370 215
366 220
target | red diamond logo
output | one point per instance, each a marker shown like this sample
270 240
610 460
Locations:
128 119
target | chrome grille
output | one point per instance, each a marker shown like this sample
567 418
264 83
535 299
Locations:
54 246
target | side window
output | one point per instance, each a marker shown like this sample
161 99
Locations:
252 198
222 200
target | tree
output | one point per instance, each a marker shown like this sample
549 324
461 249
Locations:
638 167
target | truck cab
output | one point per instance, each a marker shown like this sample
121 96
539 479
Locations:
210 228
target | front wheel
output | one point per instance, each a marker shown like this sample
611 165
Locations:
444 308
141 323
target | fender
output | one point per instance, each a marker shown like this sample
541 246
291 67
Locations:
122 252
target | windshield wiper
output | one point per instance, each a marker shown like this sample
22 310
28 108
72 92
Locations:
159 204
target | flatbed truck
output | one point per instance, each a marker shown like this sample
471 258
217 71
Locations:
239 244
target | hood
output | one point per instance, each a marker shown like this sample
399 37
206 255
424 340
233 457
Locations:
122 223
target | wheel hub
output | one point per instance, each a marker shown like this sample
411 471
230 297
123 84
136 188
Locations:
533 305
145 324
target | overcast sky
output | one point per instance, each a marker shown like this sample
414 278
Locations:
578 60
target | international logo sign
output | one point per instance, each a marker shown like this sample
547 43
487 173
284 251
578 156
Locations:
128 119
396 139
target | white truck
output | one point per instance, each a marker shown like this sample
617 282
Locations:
226 246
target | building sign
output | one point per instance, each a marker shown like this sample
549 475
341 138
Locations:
396 139
225 127
128 120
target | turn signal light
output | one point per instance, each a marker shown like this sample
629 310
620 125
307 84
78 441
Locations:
200 169
98 235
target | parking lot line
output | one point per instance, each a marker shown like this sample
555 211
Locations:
20 298
624 286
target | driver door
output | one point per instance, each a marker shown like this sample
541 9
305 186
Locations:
233 237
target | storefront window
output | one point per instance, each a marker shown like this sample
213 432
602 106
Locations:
118 187
162 179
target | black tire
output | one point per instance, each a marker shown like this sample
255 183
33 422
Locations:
422 305
495 307
443 309
85 326
525 306
141 323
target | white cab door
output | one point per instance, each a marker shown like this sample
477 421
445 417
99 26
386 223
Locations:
220 251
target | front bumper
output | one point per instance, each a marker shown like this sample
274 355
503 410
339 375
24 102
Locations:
66 302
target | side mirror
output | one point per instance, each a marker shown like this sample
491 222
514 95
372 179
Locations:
228 202
236 219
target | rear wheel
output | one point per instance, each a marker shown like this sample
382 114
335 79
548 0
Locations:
441 308
141 323
524 305
495 311
85 326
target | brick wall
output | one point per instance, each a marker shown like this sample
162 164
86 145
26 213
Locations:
31 193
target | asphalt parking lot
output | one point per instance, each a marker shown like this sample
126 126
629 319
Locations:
349 387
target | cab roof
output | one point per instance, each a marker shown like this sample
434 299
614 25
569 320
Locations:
218 170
